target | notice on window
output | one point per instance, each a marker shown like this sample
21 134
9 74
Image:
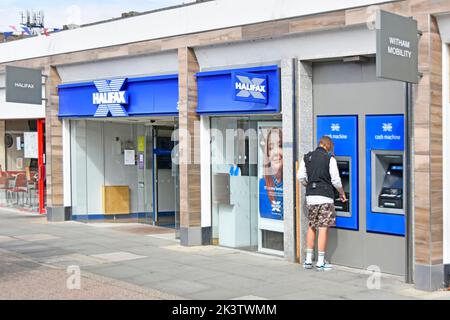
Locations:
141 144
18 143
30 145
129 157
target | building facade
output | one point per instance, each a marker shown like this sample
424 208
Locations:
237 100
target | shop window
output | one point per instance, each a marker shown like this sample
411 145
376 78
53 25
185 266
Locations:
246 177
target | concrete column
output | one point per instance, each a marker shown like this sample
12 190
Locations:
305 139
191 232
288 109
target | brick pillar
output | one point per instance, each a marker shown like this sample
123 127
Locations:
191 232
428 187
54 149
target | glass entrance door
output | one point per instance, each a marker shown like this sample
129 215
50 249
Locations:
164 181
145 163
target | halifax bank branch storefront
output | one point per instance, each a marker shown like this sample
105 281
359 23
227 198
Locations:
205 140
124 163
125 146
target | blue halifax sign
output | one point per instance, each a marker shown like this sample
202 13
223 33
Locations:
110 98
120 97
253 90
249 87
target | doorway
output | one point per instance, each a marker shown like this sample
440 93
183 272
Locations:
122 170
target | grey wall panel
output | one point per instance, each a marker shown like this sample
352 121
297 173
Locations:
352 88
309 46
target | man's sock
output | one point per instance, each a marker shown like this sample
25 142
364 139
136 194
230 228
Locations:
309 255
321 258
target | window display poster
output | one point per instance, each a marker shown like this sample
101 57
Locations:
30 141
129 157
270 171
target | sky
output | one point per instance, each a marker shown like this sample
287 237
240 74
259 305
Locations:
61 12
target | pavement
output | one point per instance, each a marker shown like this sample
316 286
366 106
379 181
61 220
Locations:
74 260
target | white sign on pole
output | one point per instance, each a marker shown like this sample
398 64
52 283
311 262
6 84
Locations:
30 145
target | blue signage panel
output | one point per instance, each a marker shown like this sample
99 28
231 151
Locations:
120 97
343 130
383 133
253 90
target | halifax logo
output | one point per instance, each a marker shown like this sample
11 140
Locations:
110 98
249 87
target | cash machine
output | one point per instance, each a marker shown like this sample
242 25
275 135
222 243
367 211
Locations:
385 174
387 181
344 172
343 130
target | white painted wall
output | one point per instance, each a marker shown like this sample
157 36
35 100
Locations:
66 164
205 178
348 42
184 20
156 64
446 151
10 110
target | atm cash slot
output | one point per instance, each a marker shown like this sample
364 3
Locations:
343 208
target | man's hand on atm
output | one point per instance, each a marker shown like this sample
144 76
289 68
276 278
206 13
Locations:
342 196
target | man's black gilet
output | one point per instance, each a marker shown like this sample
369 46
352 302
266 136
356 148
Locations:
317 165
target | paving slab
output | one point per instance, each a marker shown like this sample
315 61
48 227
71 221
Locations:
147 279
231 281
217 294
115 271
6 239
71 260
180 287
37 237
117 256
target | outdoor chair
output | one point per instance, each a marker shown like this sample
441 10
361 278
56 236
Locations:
20 187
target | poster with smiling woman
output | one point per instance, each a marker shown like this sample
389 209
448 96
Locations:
271 172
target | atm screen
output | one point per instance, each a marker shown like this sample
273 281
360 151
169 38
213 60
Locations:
394 177
391 195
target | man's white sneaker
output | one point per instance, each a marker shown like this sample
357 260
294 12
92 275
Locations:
307 265
324 267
